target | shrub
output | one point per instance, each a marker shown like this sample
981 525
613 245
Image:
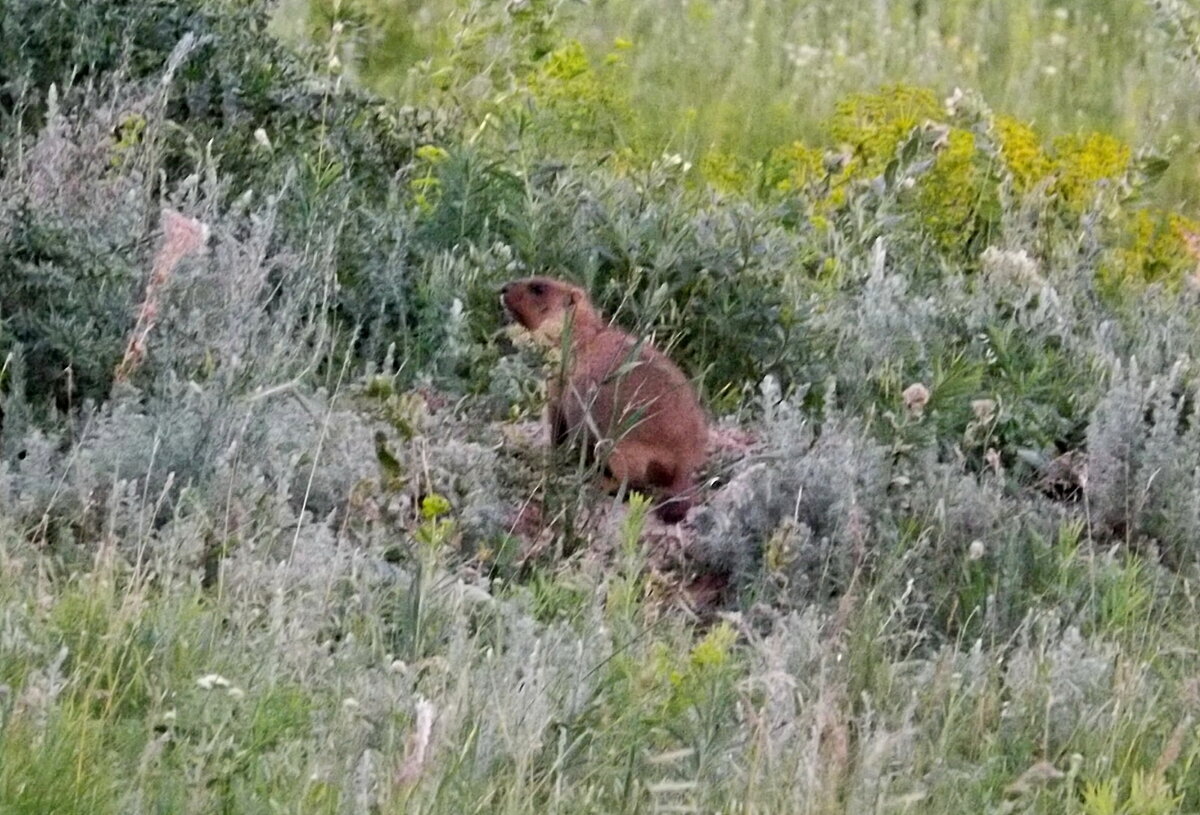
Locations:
67 305
583 104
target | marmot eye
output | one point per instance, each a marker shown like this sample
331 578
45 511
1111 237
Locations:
538 289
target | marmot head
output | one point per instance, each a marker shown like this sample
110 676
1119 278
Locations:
538 302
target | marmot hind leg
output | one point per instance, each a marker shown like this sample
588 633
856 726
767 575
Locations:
627 464
636 466
675 489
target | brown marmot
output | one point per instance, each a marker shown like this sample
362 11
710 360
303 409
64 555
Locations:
630 406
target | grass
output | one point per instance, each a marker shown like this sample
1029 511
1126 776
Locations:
746 78
306 552
206 704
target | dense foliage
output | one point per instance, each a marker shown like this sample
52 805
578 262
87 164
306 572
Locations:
277 525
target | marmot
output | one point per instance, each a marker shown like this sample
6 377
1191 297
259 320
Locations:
626 402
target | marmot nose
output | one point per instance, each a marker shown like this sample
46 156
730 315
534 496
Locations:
504 288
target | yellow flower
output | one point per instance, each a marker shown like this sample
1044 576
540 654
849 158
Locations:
129 133
874 124
950 193
432 154
567 62
586 103
713 650
1083 161
723 171
1022 151
794 167
434 506
1157 249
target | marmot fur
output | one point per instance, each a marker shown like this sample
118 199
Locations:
625 401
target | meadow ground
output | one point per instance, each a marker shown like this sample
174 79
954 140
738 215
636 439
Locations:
278 529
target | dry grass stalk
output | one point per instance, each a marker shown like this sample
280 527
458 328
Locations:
1192 242
418 745
182 236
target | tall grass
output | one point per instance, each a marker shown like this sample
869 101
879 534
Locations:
744 78
124 693
761 72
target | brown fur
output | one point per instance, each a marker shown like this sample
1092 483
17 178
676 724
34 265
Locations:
627 402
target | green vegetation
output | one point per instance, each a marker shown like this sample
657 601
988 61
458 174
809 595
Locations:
744 79
278 528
